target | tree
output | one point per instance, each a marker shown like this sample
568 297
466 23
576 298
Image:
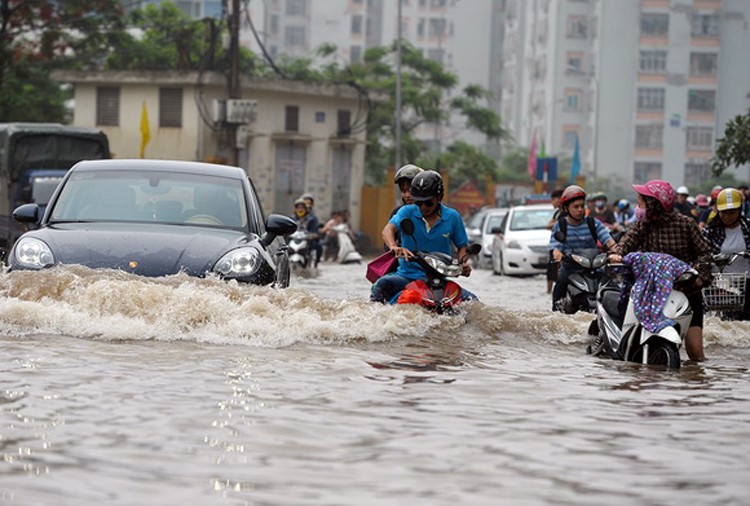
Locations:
39 35
734 147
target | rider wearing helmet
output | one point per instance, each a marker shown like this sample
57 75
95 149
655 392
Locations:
730 233
403 179
310 222
659 228
601 210
436 228
624 215
576 232
681 201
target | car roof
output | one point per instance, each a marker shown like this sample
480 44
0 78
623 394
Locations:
178 166
534 207
497 210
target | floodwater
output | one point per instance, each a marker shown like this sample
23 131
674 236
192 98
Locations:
119 390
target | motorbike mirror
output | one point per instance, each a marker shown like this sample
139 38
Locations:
559 236
407 226
474 249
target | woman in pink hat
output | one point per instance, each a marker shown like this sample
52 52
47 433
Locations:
659 228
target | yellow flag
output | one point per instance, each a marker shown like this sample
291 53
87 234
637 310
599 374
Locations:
145 131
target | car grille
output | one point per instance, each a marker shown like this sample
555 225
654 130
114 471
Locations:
540 249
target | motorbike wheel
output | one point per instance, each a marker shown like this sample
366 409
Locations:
662 352
284 274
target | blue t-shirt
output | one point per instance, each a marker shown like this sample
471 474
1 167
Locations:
448 229
579 237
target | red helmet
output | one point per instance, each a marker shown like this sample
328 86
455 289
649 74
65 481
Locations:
658 189
571 193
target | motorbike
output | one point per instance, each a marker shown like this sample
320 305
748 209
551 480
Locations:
584 283
437 293
347 252
617 333
301 251
726 295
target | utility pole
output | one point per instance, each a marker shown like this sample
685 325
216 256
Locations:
234 71
398 90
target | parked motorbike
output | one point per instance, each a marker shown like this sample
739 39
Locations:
618 333
583 284
301 251
726 295
437 293
347 252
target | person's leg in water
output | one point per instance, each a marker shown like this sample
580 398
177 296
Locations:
387 286
561 286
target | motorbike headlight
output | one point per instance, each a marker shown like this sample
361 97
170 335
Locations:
239 262
32 253
452 270
514 245
599 261
581 260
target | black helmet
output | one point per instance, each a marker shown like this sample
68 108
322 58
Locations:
425 185
406 173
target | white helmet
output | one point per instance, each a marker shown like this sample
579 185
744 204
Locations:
682 190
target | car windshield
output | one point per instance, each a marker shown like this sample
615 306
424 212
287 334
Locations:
476 220
160 197
530 219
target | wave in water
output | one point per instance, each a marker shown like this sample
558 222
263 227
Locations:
113 305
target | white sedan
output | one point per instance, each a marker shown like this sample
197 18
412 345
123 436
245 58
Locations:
521 243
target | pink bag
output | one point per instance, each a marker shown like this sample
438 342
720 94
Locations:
382 265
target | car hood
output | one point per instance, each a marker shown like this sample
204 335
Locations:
149 250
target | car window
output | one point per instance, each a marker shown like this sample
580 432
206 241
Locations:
476 220
494 221
530 219
161 197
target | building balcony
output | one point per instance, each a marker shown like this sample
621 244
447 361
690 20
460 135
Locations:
702 80
650 116
645 77
655 4
649 153
701 117
646 40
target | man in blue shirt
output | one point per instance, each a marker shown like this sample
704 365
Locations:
436 227
578 236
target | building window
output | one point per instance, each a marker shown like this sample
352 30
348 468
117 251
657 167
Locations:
170 107
420 27
436 55
355 54
649 136
108 106
654 25
294 35
697 173
573 99
703 64
437 27
701 100
291 119
651 99
569 137
653 62
320 117
700 138
577 27
357 25
274 23
296 7
646 171
344 124
704 25
574 63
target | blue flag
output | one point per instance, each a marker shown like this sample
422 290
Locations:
575 167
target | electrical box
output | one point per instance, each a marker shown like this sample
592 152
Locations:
238 111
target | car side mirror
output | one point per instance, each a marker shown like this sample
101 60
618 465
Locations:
559 236
407 226
27 213
276 225
496 230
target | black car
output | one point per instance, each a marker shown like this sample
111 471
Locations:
156 218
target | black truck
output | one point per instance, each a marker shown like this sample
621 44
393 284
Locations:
33 159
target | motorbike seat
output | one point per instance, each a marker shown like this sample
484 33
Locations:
610 299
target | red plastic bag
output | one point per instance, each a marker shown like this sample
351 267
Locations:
382 265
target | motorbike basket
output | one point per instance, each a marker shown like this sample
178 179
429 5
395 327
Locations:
726 293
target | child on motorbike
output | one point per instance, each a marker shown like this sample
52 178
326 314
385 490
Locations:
436 227
659 228
578 236
729 232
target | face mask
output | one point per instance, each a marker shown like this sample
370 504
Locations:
640 214
300 213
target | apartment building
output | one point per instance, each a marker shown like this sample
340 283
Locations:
645 85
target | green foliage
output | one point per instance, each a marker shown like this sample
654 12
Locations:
468 163
734 147
39 35
514 167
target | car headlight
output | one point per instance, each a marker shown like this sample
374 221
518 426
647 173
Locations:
32 253
239 262
514 244
452 270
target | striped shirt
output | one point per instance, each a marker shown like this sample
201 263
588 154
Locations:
579 237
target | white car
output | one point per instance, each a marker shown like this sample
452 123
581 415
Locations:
493 219
522 245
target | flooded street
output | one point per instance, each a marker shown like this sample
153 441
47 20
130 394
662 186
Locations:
121 390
